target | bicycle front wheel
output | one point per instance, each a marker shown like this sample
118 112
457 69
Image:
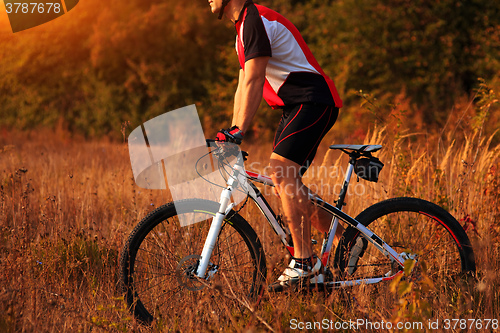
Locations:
159 261
420 229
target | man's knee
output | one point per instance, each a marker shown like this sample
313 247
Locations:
283 169
289 186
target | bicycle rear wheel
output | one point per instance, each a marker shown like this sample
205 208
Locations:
420 228
160 257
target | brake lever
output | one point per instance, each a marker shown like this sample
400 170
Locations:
224 150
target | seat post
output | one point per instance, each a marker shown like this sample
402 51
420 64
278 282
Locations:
341 200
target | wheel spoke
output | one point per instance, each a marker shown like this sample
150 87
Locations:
408 224
166 256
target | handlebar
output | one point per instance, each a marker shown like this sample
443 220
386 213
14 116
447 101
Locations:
225 149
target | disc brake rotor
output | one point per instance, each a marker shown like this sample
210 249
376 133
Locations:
185 272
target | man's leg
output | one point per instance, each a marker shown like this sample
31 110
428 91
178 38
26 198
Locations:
299 212
321 221
296 205
299 133
304 268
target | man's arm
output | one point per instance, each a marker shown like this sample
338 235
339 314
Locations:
237 96
249 92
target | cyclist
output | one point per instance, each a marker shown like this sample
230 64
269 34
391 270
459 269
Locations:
277 65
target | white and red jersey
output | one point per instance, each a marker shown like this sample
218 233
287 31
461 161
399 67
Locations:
293 76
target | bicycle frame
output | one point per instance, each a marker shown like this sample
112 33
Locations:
239 177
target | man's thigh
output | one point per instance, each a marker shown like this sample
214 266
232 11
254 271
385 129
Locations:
300 131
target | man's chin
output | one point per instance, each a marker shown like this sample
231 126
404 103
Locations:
214 10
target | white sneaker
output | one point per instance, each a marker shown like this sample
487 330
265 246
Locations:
299 274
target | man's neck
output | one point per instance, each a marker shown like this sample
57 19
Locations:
233 9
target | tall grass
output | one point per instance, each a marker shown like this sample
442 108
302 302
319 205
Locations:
67 205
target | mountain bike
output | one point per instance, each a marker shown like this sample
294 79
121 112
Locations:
216 267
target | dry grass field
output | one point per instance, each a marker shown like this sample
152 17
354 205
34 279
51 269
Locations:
67 206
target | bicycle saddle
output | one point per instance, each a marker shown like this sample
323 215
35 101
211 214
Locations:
358 148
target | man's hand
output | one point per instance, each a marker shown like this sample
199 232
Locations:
233 135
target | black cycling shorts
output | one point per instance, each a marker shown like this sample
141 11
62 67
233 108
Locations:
301 129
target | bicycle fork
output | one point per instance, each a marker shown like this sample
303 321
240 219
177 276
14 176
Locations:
214 231
224 207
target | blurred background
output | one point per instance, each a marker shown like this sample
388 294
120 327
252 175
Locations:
421 78
106 64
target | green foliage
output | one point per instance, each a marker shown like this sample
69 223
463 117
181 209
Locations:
410 288
431 50
129 61
105 63
120 325
487 101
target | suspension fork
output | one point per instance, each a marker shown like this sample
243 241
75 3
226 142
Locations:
216 226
